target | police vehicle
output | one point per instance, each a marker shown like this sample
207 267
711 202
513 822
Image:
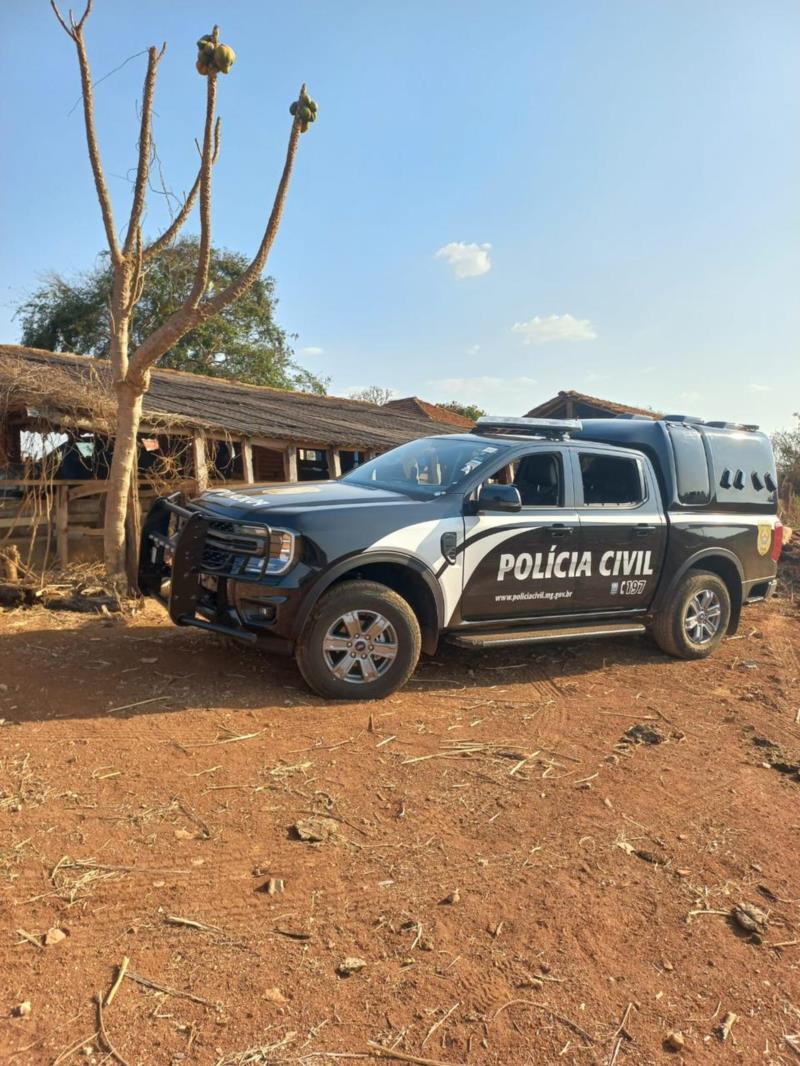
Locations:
522 530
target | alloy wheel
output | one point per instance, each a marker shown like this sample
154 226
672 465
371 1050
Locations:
703 616
360 646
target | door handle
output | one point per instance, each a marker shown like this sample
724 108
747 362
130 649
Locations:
643 529
560 530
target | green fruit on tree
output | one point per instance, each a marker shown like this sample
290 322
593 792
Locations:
202 66
224 58
293 108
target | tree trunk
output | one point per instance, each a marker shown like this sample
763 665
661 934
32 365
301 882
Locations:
129 413
123 473
133 532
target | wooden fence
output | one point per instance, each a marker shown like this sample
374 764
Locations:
47 516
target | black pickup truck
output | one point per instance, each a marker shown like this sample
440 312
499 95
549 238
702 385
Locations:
520 531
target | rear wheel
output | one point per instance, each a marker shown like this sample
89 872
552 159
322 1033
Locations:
695 620
361 643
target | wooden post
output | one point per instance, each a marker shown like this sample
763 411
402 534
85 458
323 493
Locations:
62 525
200 460
247 461
334 463
290 463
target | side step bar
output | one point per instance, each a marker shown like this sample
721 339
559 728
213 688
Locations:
499 638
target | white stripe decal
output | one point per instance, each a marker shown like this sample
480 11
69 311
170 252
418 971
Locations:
423 541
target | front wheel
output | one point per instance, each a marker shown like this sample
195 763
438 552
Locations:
694 621
362 642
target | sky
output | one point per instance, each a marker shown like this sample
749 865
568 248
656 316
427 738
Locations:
498 200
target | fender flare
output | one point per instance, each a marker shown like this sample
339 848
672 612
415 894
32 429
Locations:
666 591
362 558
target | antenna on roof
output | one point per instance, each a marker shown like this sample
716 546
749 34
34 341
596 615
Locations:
527 427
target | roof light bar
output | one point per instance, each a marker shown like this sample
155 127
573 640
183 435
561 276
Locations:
744 426
528 427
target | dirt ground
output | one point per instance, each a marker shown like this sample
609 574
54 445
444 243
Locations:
525 881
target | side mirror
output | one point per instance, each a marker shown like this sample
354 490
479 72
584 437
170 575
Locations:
499 498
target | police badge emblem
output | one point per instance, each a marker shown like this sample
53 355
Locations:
764 539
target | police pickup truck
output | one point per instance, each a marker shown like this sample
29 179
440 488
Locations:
520 531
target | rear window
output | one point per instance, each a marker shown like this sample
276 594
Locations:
691 465
610 480
744 469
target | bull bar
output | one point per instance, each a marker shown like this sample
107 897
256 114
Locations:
187 546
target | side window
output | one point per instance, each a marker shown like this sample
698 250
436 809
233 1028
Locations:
539 479
610 480
504 476
691 464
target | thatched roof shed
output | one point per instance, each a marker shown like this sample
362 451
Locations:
76 388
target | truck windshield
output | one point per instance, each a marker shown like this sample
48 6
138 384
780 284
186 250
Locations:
432 466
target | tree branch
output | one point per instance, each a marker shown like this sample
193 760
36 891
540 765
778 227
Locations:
238 287
190 314
145 147
75 31
169 235
206 168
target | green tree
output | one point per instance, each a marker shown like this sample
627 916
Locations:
242 342
468 410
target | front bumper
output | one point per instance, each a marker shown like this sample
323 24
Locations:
199 556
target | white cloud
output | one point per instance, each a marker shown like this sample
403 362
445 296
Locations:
760 388
473 349
312 350
467 260
690 396
541 329
499 396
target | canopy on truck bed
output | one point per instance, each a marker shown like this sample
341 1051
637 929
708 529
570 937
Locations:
699 465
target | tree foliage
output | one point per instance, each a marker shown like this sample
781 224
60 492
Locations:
468 410
242 342
786 444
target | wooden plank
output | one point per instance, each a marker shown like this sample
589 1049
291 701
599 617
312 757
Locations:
62 524
43 483
89 488
23 521
290 463
334 463
200 457
247 461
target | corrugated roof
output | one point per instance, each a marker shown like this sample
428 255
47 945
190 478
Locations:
252 410
552 405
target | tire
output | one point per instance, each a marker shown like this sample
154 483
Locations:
330 654
695 619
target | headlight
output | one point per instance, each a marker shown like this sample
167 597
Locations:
280 550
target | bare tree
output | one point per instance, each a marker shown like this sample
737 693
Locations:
372 394
130 256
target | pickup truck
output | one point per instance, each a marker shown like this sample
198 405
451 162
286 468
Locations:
521 531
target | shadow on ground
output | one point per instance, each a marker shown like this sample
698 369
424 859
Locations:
103 669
